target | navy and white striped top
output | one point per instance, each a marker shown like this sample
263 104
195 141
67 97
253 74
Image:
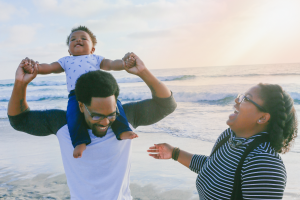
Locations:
263 172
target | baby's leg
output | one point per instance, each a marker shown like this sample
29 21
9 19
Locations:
128 135
78 150
77 126
121 127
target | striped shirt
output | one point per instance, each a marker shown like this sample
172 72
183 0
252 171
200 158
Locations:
263 172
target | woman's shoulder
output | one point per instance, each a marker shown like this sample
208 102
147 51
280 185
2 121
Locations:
264 154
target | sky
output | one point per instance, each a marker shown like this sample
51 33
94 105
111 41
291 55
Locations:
163 33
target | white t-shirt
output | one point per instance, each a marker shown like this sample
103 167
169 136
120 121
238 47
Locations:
75 66
103 171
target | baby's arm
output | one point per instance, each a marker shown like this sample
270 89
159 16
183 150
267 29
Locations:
50 68
128 61
108 65
42 68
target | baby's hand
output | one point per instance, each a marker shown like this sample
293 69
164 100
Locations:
130 62
28 66
28 69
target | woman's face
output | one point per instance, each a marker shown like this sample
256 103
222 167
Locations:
246 114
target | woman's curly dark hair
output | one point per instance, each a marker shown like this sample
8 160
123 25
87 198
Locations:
283 125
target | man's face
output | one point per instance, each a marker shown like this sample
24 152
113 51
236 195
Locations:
99 107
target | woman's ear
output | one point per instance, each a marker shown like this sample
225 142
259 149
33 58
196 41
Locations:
264 119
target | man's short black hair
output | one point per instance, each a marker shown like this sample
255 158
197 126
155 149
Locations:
85 29
95 84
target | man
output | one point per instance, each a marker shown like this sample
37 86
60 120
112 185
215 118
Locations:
104 170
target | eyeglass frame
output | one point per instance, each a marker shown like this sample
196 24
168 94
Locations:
248 99
103 116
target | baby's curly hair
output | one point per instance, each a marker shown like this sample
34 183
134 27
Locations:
283 126
85 29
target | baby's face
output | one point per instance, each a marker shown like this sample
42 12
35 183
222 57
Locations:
80 44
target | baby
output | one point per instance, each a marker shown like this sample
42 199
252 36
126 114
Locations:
81 44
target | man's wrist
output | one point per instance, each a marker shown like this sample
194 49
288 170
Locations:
20 84
144 73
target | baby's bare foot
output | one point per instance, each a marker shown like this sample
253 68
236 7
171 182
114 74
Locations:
77 153
128 135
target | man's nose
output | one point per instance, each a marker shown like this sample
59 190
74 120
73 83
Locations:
104 122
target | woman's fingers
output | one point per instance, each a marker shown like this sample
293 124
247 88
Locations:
153 150
156 156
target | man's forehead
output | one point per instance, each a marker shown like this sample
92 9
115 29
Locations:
97 102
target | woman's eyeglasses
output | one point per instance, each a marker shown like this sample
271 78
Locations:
242 97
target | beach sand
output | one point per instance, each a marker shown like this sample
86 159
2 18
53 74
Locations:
150 178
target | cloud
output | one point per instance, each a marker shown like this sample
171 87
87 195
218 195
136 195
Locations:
174 12
7 11
73 8
19 35
150 34
44 54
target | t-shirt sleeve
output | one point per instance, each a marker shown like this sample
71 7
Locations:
150 111
39 123
62 62
99 60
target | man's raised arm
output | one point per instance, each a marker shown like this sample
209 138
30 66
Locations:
152 110
40 123
157 88
17 103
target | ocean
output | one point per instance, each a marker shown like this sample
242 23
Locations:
205 97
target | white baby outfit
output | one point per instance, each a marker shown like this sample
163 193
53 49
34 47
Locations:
75 66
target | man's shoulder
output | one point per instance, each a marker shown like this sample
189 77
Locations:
40 123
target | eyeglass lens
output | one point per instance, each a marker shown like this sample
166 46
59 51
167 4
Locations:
112 117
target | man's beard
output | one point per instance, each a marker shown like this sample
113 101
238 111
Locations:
100 134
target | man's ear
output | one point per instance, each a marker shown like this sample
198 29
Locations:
93 50
80 106
264 119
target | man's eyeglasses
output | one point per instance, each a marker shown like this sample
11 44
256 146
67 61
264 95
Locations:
242 97
101 117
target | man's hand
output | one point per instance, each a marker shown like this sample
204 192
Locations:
23 76
136 69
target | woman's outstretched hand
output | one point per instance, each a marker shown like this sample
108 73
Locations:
161 151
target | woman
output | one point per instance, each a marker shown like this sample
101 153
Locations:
264 119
